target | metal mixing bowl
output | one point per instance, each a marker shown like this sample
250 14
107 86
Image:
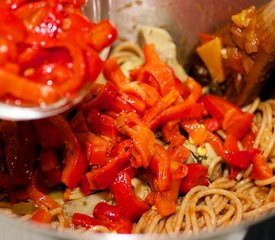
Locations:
183 19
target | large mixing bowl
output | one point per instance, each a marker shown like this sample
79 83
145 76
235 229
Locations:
183 19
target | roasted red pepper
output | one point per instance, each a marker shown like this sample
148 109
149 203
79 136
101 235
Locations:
42 216
232 119
75 163
102 124
102 178
143 138
160 165
39 198
165 201
260 169
96 149
155 72
131 206
36 31
104 215
197 175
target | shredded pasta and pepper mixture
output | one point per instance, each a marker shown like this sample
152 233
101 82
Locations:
147 145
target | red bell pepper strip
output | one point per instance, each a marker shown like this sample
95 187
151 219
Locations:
102 178
230 116
160 165
171 132
107 212
197 175
231 143
178 169
39 198
148 94
102 124
248 139
102 101
180 111
165 201
238 159
131 206
241 159
11 26
83 220
112 72
75 163
211 124
195 90
218 145
104 215
260 170
96 149
26 90
41 216
103 34
161 105
143 138
156 72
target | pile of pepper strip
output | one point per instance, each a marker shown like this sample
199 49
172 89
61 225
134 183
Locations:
126 128
48 50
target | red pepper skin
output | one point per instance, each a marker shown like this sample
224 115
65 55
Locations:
101 102
165 201
131 207
104 215
160 165
75 163
103 35
102 124
103 177
195 90
112 72
97 149
241 159
260 170
143 138
155 72
230 116
231 143
107 212
211 124
181 111
197 175
39 198
161 105
248 140
11 26
42 216
218 145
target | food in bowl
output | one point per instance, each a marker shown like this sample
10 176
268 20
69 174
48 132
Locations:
148 144
50 52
